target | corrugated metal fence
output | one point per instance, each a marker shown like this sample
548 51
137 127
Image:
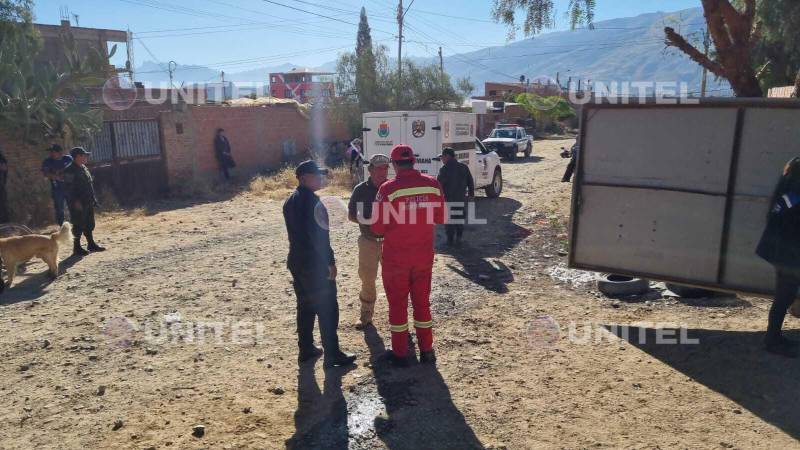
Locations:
126 157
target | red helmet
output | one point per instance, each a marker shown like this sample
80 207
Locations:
403 152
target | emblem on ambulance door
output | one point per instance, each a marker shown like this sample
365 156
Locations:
383 129
418 128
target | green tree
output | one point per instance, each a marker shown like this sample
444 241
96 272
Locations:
366 82
42 100
731 23
777 54
465 87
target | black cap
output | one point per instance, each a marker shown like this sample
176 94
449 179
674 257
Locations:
78 151
309 168
55 148
449 152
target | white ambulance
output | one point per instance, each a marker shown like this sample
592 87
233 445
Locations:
428 133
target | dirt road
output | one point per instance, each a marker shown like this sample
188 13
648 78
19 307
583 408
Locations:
188 320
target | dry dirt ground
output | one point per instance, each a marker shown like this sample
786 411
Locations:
95 359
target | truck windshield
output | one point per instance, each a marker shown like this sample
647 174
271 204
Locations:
506 133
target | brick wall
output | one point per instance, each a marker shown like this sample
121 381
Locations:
28 191
256 135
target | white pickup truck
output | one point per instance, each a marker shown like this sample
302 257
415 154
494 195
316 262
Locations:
508 140
428 133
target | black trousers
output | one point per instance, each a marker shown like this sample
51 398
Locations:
316 299
786 286
82 220
457 214
570 170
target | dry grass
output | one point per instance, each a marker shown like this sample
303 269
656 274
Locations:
279 185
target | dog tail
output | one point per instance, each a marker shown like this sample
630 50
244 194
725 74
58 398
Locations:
63 236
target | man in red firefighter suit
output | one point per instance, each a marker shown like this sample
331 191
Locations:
407 209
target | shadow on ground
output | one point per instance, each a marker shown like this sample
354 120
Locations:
484 242
321 416
419 411
733 364
31 286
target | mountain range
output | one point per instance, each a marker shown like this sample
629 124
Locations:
626 49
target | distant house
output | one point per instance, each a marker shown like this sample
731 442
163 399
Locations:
303 85
85 38
494 91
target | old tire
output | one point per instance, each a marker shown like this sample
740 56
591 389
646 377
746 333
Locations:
620 285
528 150
689 292
496 188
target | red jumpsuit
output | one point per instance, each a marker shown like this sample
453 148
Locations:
408 208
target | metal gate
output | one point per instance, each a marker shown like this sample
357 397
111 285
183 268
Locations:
127 158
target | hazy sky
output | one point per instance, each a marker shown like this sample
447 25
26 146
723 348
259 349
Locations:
237 35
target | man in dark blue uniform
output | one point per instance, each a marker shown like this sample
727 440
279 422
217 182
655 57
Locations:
313 268
79 187
53 169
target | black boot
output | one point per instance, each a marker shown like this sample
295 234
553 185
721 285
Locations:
77 250
93 247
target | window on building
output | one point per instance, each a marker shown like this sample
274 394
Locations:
274 79
492 92
288 93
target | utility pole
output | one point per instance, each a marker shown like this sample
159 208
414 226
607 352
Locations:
399 54
401 14
706 47
441 62
172 66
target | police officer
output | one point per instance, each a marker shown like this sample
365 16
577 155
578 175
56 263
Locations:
458 186
79 188
369 244
408 209
53 169
313 267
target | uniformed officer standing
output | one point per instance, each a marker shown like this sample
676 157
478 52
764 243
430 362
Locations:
458 187
369 244
79 188
313 268
408 209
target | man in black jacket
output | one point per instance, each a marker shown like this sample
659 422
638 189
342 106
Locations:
780 246
458 187
222 150
313 267
81 200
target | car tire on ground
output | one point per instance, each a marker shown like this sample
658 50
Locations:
528 150
620 285
496 188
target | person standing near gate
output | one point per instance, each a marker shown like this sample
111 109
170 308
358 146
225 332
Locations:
53 169
79 189
313 268
222 150
369 244
458 187
780 246
408 209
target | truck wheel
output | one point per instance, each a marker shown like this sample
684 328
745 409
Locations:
528 150
496 188
512 155
620 285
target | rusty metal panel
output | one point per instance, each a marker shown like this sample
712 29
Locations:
674 234
687 149
137 139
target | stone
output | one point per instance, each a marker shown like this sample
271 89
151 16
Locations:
278 390
118 424
198 431
101 390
